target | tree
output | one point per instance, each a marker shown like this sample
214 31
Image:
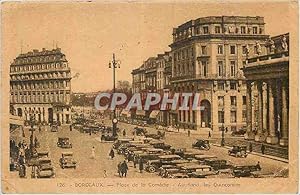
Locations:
123 87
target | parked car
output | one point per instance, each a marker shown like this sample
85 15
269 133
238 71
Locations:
240 132
120 141
161 145
108 138
154 165
193 168
54 128
245 170
202 144
201 158
238 151
217 164
67 160
140 131
64 142
45 168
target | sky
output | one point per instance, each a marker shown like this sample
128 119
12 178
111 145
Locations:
90 32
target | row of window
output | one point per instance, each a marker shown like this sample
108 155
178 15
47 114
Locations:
232 101
233 117
40 85
36 67
40 98
186 53
41 76
38 59
218 30
221 116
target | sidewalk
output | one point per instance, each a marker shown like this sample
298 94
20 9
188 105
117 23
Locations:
257 154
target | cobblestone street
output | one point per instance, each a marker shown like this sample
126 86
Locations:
94 168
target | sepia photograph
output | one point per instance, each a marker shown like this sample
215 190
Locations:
149 97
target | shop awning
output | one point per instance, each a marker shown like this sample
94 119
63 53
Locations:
154 113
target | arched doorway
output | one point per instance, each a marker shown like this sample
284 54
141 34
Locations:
50 115
20 112
205 113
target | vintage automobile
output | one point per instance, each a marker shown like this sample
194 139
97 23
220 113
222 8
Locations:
202 157
154 136
161 145
120 141
178 175
190 154
241 132
238 151
193 168
106 137
217 164
54 128
171 129
150 150
154 165
67 161
245 170
202 144
64 142
168 172
140 131
44 168
203 173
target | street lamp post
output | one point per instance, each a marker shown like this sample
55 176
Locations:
223 135
114 64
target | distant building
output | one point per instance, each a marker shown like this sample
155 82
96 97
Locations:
268 76
207 56
40 86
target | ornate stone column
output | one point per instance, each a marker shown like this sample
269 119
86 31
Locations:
284 118
259 135
249 134
272 138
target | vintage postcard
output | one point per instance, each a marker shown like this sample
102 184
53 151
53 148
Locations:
149 96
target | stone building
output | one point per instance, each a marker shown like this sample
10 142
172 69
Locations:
268 76
207 55
152 76
40 86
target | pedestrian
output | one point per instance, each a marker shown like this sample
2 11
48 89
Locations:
112 154
104 174
263 149
189 133
209 134
258 167
250 147
124 168
90 132
119 169
93 153
135 161
226 129
70 127
124 133
40 128
35 142
141 165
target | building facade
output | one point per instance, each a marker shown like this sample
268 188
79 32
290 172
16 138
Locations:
268 77
207 56
40 86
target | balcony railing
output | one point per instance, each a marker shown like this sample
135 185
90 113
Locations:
207 77
268 57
